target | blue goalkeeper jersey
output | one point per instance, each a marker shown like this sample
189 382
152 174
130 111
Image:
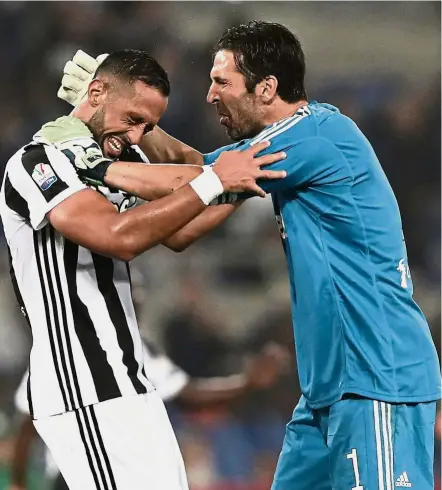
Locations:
357 328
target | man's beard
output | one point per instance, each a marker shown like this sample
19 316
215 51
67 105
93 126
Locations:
242 133
248 126
96 125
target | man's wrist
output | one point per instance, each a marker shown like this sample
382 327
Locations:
207 185
96 175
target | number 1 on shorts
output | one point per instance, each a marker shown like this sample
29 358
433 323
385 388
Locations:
354 457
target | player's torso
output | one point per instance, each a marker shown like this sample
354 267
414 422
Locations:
357 327
86 343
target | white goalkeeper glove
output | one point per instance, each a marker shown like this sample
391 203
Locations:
77 74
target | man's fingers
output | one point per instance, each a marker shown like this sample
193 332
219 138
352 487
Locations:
272 174
72 83
70 68
256 189
270 158
255 149
66 94
85 61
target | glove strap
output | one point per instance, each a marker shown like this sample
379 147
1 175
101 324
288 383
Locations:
95 175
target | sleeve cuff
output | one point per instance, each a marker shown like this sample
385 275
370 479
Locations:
39 220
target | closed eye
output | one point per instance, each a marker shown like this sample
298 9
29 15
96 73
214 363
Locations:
134 121
220 81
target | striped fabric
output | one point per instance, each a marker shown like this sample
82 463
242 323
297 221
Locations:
86 343
281 126
384 444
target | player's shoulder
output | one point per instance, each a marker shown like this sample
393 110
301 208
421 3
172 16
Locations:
305 126
27 157
210 158
68 141
288 131
63 130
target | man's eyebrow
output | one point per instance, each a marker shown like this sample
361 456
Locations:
219 79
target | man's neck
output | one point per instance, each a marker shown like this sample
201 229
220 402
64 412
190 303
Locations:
82 112
280 110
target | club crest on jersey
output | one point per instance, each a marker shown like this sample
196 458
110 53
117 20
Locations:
43 176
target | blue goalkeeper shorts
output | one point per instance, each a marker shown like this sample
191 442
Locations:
358 444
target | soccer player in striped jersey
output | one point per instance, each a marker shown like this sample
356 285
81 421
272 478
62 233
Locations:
90 397
171 383
367 364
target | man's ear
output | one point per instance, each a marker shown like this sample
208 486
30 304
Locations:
266 89
96 92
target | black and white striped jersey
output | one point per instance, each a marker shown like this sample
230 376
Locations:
86 342
168 379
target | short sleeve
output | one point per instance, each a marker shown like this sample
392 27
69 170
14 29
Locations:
41 178
311 161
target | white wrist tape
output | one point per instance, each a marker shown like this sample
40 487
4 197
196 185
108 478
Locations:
207 185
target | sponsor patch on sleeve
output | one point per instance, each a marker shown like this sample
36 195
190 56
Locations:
44 176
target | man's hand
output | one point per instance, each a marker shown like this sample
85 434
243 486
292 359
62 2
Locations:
239 170
72 137
77 74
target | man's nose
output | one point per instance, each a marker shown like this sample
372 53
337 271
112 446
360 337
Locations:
134 135
212 96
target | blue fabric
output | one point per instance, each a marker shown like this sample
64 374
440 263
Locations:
357 327
358 444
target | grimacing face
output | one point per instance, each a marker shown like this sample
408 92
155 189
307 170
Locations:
238 110
125 115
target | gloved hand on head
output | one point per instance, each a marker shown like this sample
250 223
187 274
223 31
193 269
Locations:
77 74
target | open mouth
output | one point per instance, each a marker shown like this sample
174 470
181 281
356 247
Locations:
223 119
114 146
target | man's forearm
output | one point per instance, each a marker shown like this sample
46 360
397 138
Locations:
161 147
149 182
200 226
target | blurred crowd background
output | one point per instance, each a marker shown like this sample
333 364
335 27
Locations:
223 298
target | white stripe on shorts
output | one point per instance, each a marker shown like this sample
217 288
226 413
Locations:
384 444
390 439
377 432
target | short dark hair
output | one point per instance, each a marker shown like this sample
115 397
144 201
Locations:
133 64
261 49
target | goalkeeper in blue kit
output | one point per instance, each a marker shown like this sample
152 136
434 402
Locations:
367 364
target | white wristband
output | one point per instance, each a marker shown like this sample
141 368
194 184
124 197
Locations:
207 185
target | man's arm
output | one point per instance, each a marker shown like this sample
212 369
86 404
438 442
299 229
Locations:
209 219
88 219
144 181
149 182
159 147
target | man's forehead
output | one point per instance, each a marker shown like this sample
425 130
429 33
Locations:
147 100
224 62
